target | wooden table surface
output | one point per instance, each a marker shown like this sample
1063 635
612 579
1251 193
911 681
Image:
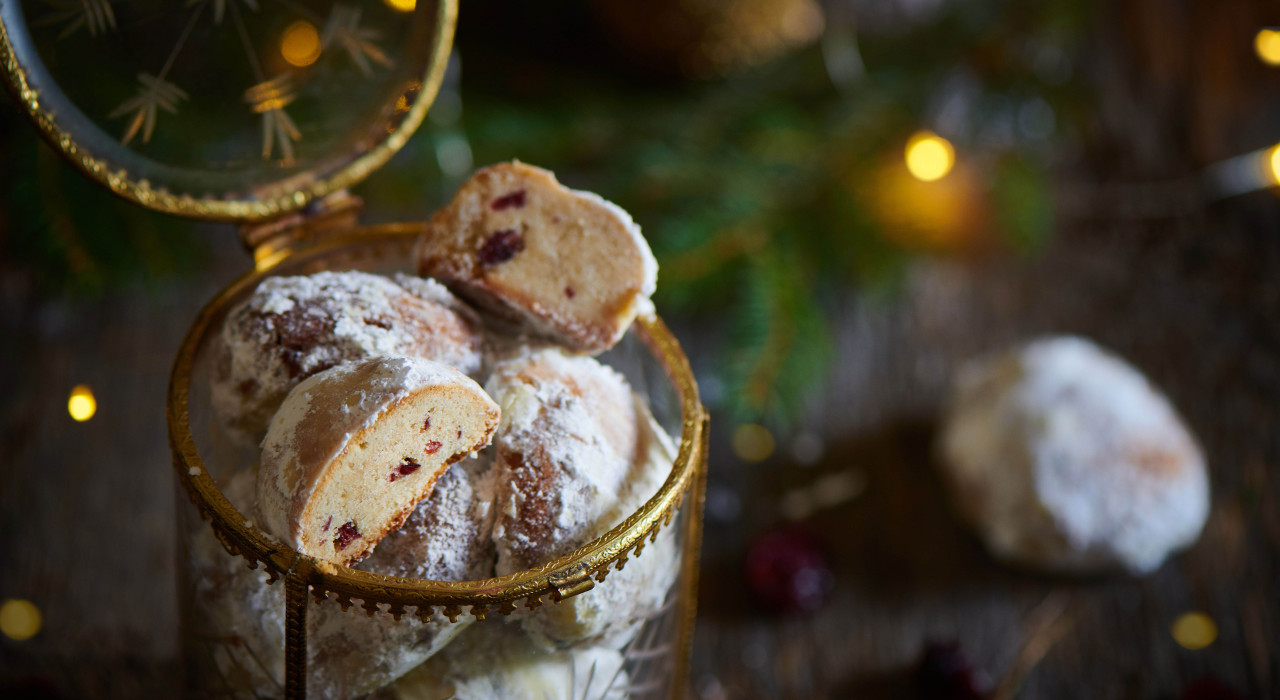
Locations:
87 508
1194 304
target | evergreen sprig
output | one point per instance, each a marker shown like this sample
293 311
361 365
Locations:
762 194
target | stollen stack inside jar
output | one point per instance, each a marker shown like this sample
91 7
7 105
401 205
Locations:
463 460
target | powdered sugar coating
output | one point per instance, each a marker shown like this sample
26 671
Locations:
449 536
493 661
234 603
564 449
430 290
611 614
349 653
293 327
649 264
578 453
1066 458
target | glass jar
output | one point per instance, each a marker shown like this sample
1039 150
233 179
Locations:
244 637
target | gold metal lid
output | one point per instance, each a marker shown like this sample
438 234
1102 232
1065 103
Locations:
228 110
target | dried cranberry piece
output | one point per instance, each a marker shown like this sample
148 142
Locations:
426 424
327 523
433 447
405 469
507 201
501 247
459 433
569 292
380 322
346 535
946 674
1209 688
787 570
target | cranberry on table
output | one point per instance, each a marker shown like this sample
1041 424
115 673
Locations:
788 572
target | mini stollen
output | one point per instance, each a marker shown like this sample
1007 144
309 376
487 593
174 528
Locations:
576 454
611 613
349 653
565 264
293 327
1065 458
493 661
354 448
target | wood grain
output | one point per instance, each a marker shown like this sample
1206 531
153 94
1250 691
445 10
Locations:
1193 305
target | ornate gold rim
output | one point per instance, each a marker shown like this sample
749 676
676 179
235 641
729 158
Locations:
141 192
566 576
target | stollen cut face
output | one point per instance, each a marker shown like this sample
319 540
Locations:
355 448
564 264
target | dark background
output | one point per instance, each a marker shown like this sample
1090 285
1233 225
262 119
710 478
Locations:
1184 285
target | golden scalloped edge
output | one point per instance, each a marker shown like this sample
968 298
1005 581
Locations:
141 192
238 538
507 605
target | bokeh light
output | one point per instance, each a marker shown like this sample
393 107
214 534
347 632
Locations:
929 156
19 619
300 44
1273 160
946 216
1267 44
82 405
753 443
1194 630
402 5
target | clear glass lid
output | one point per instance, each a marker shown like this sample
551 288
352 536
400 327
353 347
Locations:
237 110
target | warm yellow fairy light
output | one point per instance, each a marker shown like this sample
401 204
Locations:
82 405
402 5
1194 630
19 619
300 44
1273 160
753 443
929 156
1267 44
